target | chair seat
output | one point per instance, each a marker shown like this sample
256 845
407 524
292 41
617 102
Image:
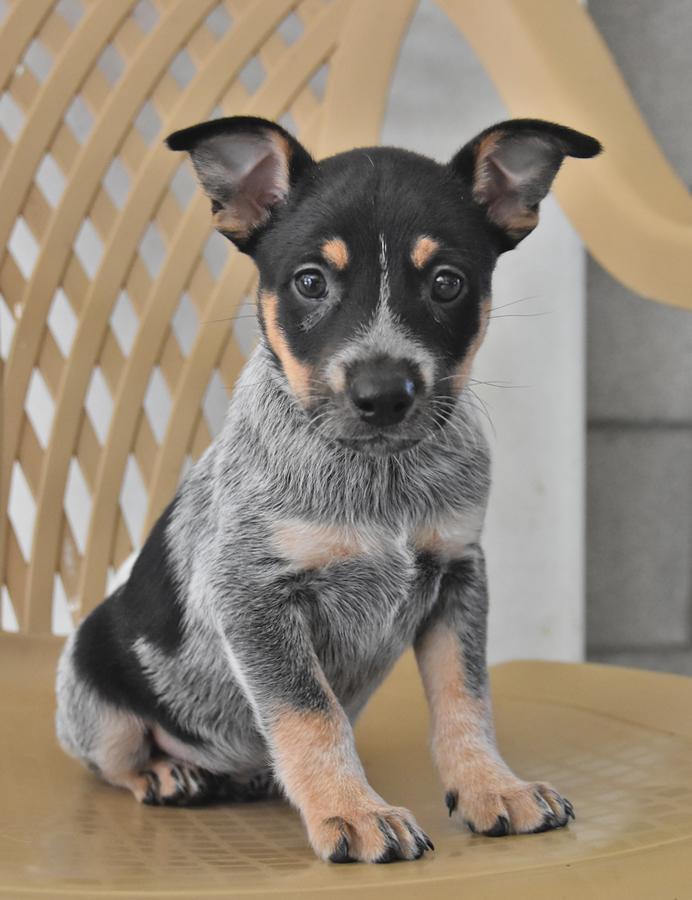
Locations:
617 742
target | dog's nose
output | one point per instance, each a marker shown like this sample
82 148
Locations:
382 392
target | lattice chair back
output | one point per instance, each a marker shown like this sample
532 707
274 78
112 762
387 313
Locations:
124 318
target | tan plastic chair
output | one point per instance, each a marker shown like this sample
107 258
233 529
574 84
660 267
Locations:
107 282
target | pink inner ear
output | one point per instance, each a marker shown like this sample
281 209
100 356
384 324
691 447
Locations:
512 177
246 175
266 184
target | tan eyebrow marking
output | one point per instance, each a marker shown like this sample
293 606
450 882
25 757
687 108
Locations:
335 252
423 249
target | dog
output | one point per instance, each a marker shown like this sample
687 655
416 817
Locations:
336 520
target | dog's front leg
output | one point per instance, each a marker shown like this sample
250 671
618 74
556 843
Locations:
311 741
480 787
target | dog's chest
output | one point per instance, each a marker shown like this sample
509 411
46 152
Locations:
369 587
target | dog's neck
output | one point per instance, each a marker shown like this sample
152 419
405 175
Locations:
269 437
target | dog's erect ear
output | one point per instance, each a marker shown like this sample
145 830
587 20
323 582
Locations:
247 166
511 166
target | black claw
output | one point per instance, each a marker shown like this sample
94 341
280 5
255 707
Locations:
452 800
391 854
549 823
152 796
430 844
499 829
340 852
472 827
569 809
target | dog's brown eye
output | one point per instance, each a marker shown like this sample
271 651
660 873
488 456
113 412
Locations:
447 285
311 283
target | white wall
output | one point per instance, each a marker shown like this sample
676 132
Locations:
440 98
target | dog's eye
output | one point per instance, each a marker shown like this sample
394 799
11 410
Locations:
311 283
447 285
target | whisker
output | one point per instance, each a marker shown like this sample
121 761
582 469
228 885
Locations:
520 300
536 315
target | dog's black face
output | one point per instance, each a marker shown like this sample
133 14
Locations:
375 281
375 265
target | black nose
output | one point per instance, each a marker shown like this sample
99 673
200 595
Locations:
382 391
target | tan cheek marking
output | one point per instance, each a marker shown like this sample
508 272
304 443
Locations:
335 252
423 249
463 370
297 373
313 546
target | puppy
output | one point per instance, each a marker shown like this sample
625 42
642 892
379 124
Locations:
336 520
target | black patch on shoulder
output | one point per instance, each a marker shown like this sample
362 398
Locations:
147 606
150 597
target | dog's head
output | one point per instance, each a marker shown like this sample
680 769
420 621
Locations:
375 265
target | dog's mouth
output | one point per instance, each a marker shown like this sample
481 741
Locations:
379 444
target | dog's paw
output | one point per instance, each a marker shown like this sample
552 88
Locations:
381 834
517 807
168 782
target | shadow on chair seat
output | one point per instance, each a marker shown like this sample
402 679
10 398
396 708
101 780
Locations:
617 742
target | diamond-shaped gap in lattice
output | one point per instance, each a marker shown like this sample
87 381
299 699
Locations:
215 403
245 327
318 82
7 326
145 15
182 68
62 322
111 63
116 577
88 247
288 122
39 407
218 21
157 404
79 119
252 74
183 185
50 179
152 249
124 323
116 182
8 617
98 403
291 28
38 60
11 116
21 510
62 622
23 247
71 11
148 122
133 501
216 252
185 324
187 465
77 504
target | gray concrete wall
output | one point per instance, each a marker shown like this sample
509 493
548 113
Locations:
639 397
